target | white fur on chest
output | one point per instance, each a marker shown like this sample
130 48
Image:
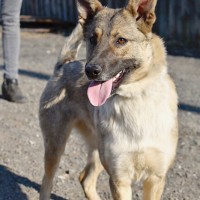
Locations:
142 121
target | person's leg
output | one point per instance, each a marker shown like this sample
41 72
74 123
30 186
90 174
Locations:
11 48
11 37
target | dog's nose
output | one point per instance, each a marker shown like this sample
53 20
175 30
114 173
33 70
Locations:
93 71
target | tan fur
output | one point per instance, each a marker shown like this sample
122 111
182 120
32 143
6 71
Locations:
133 136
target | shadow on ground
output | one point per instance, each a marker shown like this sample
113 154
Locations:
189 108
32 74
10 185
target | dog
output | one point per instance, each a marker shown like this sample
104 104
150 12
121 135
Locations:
121 99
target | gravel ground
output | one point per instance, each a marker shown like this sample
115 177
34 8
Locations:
21 145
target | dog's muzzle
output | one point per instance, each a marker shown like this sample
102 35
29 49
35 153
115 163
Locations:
93 71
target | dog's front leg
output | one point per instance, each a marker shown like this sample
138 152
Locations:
153 187
121 189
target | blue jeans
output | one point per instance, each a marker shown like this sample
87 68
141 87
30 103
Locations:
10 12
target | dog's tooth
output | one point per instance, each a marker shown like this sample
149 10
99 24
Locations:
119 75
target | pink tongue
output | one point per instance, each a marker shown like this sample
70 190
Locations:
98 92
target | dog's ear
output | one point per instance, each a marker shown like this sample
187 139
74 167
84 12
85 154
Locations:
144 11
87 9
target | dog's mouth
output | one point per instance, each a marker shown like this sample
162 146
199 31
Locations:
119 78
99 91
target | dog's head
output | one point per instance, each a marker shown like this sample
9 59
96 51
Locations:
117 42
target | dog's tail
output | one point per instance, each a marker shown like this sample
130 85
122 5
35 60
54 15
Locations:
71 46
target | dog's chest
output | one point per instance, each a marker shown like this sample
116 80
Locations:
133 120
132 125
128 130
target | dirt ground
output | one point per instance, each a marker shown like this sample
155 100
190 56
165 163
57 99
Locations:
21 145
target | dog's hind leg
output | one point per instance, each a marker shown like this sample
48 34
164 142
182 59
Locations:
55 137
153 188
88 177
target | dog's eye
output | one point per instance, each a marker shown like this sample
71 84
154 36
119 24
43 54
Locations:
121 41
93 40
